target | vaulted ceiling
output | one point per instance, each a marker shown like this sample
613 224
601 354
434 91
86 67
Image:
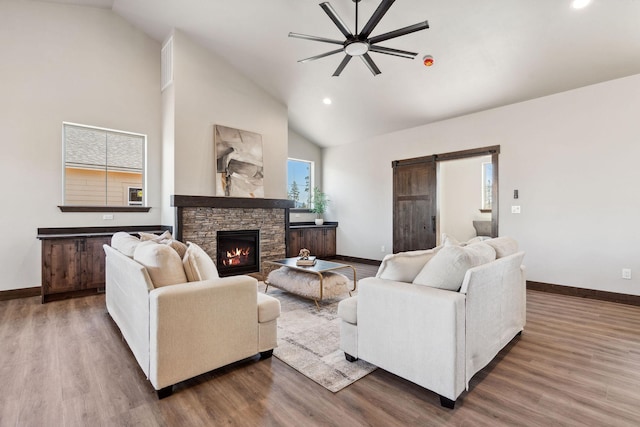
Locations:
487 54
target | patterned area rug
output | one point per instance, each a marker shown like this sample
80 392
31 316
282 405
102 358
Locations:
309 341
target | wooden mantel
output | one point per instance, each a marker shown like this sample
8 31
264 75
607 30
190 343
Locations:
181 201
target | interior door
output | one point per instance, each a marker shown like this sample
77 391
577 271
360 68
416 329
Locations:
414 204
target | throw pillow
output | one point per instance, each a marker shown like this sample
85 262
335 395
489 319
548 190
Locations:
198 265
404 266
163 263
446 270
125 243
449 240
155 237
477 239
166 239
504 246
178 246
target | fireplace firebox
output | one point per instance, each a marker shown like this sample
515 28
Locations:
238 252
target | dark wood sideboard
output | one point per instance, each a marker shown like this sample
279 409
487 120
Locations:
73 261
319 239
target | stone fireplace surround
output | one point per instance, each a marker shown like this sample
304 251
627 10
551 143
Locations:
199 218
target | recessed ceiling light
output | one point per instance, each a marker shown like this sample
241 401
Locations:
579 4
327 101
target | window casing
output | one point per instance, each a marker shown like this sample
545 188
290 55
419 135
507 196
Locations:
300 182
102 166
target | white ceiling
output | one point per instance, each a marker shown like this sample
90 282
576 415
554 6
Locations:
487 54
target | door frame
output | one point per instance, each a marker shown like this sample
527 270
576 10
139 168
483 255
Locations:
493 151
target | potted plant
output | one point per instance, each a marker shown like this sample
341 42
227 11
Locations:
319 204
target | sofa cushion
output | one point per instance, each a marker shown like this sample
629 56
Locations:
404 266
162 263
198 265
125 243
504 246
447 268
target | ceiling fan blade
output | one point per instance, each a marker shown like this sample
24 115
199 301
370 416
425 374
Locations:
375 18
401 32
322 55
314 38
343 64
336 19
370 64
394 52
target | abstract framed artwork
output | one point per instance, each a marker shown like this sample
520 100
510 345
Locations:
239 165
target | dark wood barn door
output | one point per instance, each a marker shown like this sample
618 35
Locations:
414 204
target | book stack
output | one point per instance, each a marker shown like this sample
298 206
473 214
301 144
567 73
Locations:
301 262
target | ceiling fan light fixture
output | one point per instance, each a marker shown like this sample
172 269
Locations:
357 48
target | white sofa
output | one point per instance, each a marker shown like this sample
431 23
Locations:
437 317
179 319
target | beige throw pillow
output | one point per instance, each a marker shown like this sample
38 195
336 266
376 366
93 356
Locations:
504 246
198 265
446 270
163 263
125 243
178 246
404 266
155 237
166 239
447 240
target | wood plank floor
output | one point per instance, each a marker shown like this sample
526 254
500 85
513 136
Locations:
64 364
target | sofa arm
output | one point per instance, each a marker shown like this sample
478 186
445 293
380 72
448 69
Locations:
414 331
200 326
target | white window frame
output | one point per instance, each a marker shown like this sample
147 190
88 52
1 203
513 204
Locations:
106 130
311 181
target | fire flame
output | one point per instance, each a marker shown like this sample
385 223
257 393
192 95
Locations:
236 256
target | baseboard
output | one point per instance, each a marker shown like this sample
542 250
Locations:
20 293
585 293
359 260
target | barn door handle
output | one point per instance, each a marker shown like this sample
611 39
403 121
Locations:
433 223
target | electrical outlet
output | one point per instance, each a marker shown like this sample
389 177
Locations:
382 248
107 216
626 273
515 209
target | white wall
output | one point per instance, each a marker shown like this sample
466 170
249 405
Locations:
66 63
460 196
573 157
303 149
208 91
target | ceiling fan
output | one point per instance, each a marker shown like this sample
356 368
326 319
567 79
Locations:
360 44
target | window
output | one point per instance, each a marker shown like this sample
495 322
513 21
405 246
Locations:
487 186
103 167
300 182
